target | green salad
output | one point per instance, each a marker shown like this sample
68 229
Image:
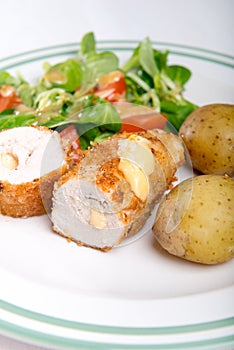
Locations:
85 91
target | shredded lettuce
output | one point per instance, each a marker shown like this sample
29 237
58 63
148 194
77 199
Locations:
63 95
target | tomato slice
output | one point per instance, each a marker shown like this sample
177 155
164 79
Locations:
69 134
71 143
144 122
112 86
139 118
8 97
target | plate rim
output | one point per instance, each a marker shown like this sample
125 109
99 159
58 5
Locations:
13 329
191 51
37 337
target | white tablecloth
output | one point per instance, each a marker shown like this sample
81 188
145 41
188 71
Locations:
27 25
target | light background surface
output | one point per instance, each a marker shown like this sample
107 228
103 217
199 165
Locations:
27 25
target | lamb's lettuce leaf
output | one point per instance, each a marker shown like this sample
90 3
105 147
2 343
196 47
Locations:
152 81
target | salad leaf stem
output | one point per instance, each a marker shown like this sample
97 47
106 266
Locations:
138 80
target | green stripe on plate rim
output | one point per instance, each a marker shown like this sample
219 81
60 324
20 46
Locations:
71 49
120 42
39 338
115 329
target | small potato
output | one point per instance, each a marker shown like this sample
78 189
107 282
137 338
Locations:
208 134
195 221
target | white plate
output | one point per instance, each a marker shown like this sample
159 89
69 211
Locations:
54 293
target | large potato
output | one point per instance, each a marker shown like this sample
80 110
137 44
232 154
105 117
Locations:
195 220
208 134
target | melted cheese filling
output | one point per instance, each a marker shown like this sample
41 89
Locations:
136 163
137 150
136 178
97 219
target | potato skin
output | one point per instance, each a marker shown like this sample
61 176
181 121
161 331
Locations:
195 220
208 134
